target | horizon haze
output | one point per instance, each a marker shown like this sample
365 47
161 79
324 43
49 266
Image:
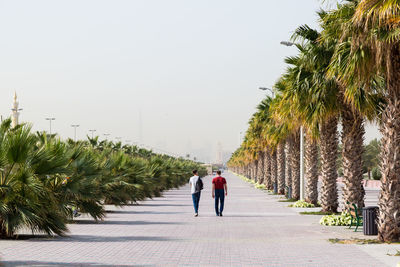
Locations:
175 75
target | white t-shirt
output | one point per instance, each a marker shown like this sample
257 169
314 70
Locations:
192 182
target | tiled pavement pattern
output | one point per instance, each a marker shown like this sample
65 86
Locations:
256 230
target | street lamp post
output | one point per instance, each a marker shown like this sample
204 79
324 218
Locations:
286 43
75 126
302 187
268 89
50 120
92 131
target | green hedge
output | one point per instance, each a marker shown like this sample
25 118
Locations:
43 179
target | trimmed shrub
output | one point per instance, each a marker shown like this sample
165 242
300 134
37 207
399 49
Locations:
260 186
343 219
301 204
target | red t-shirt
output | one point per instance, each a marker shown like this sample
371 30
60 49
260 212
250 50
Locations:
219 182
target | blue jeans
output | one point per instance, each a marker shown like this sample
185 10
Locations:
196 200
219 197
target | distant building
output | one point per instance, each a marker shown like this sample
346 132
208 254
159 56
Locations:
219 157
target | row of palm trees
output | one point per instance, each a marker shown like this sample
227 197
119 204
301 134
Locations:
44 181
347 73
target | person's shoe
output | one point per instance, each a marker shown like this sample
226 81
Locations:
220 214
196 214
217 214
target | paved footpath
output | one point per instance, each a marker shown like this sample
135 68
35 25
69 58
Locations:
256 230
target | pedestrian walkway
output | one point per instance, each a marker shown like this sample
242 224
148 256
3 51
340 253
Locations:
256 230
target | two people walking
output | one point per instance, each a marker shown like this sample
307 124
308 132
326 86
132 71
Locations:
219 191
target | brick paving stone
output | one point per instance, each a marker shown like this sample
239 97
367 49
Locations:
256 230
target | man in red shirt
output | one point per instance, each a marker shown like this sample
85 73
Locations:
219 191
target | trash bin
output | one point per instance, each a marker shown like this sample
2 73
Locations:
370 215
275 188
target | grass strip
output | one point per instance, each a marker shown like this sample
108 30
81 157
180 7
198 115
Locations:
357 241
318 213
287 200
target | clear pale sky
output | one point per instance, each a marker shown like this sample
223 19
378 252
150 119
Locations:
189 69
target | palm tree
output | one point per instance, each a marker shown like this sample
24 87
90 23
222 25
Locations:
321 107
24 198
357 103
296 96
264 118
283 129
374 32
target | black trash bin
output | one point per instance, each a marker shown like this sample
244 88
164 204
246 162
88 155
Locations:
370 215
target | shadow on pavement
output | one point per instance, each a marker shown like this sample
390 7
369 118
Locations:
105 239
143 212
258 216
163 205
121 222
154 205
50 263
177 194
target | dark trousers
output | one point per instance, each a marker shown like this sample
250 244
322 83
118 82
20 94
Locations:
219 197
196 200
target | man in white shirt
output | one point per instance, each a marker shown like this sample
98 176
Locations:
195 195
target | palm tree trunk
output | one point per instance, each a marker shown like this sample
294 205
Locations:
311 170
281 168
295 161
250 171
3 232
288 165
267 166
255 169
274 169
352 141
329 151
261 167
389 199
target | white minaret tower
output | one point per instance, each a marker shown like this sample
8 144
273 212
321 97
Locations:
15 111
